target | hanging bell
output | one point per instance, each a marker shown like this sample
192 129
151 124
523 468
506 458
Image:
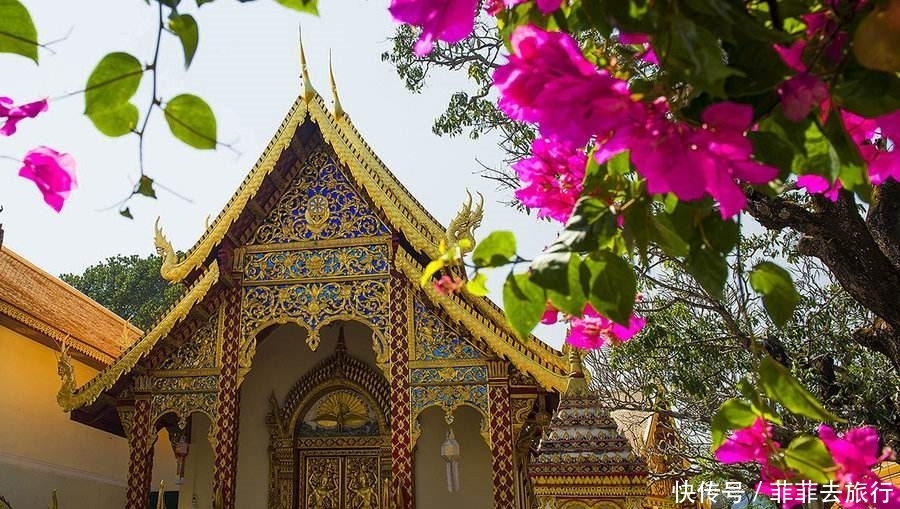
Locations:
450 453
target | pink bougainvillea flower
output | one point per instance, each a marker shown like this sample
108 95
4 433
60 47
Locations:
644 40
800 94
593 331
548 81
545 6
855 453
818 184
449 285
445 20
753 443
551 178
13 114
52 172
876 139
714 158
550 316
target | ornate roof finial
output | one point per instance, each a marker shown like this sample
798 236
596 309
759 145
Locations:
338 110
308 90
577 385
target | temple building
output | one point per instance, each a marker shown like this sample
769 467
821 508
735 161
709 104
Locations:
306 367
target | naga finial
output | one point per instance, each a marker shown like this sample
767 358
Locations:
464 224
66 373
165 250
338 109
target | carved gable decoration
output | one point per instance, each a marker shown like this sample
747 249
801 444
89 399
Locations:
320 203
198 351
435 339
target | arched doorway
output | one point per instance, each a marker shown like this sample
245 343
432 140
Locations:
330 437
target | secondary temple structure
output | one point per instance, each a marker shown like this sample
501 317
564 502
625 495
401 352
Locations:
305 367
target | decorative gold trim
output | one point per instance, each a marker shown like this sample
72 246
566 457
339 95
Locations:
70 398
174 269
308 245
446 363
504 345
54 333
183 373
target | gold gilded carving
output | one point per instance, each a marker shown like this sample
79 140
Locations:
322 483
199 351
70 398
126 417
546 367
361 482
183 405
463 226
317 213
314 305
320 203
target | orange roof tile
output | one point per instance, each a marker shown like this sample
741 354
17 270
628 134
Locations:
43 307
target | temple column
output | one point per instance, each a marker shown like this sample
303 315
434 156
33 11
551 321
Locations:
501 435
140 453
401 491
227 403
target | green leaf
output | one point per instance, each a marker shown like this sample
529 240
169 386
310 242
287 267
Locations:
308 6
17 32
780 385
116 122
145 187
733 414
613 287
667 238
201 2
524 303
809 456
495 250
126 212
709 269
868 92
550 270
578 276
691 52
109 87
776 286
185 27
192 121
476 285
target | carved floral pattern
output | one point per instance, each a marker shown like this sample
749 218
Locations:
320 203
305 264
435 339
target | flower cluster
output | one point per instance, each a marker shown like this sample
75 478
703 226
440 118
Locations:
547 81
592 330
855 453
53 172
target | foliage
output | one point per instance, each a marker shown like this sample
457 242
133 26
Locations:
696 349
129 286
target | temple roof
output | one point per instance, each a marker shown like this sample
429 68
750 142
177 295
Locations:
46 309
421 234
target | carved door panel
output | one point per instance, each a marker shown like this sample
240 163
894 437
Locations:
339 480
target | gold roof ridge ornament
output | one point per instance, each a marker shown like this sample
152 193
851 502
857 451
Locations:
467 220
166 251
308 91
338 109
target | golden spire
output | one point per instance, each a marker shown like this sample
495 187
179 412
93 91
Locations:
577 385
338 110
308 90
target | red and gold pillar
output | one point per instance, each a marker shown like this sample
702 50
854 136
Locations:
228 403
501 435
140 455
401 461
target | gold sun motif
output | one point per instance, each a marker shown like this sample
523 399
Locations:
341 410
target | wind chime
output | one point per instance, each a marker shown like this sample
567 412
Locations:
450 453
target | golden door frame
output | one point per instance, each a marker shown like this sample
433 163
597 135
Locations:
360 462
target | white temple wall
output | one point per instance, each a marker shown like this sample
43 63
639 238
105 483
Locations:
198 467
